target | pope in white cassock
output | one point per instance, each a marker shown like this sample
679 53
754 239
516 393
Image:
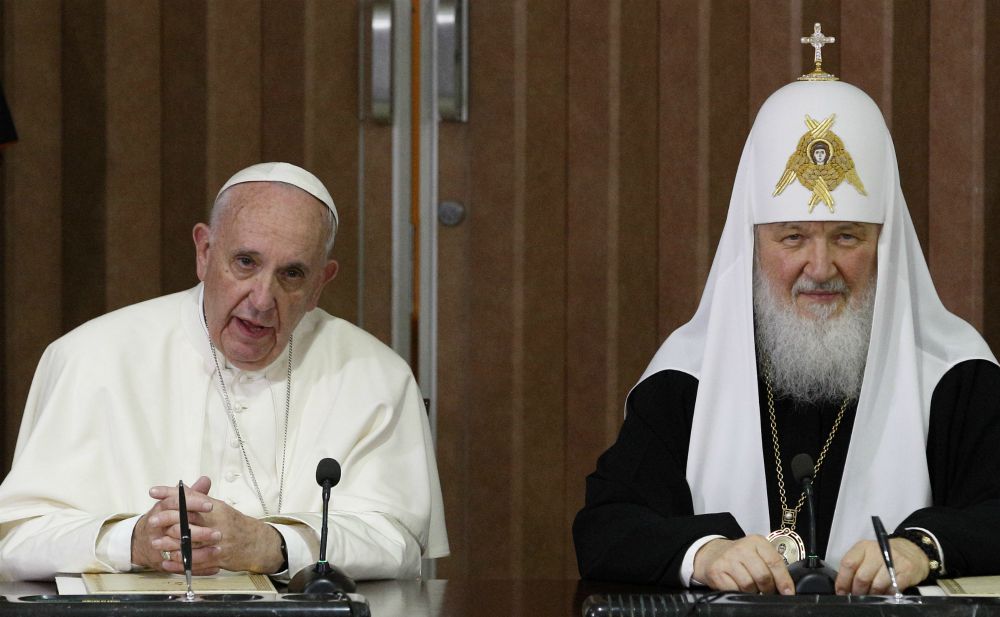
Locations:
819 332
239 387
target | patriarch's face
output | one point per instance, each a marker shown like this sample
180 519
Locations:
818 267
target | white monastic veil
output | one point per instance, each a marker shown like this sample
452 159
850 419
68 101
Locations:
914 341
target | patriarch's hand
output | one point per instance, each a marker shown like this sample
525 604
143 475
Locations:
750 565
863 571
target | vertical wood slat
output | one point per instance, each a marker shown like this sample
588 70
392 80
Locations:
868 28
3 251
490 408
132 182
282 89
84 160
910 114
633 238
547 458
632 234
772 66
33 198
183 113
592 95
456 348
683 195
330 139
729 112
376 269
234 90
638 189
956 139
991 192
613 222
374 220
520 520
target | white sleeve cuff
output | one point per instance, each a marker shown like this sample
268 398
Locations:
687 566
301 545
114 544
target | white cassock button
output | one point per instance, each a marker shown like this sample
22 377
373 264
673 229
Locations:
234 443
231 476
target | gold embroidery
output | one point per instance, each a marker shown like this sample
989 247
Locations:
820 163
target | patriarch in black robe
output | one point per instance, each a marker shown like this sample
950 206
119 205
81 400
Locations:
819 332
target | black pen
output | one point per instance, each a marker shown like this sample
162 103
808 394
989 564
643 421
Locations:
185 538
883 543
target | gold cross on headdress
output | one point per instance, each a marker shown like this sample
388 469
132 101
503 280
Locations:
818 40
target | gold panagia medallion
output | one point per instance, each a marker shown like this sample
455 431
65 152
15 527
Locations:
788 544
820 162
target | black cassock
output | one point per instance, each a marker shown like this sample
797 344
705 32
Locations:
638 519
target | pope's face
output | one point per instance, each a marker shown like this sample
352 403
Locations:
818 267
264 265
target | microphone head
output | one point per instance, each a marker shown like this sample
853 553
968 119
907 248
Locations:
328 471
802 467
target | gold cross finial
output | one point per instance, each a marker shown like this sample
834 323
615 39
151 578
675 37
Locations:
818 40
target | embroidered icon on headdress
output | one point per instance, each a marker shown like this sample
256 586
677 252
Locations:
820 163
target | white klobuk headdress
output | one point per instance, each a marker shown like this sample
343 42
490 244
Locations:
914 339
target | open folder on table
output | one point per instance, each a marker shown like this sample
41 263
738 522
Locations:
163 583
971 586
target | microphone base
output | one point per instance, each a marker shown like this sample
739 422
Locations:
817 579
321 578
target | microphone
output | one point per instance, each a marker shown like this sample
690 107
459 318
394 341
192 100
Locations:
811 575
323 577
802 471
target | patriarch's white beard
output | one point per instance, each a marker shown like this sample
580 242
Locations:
813 359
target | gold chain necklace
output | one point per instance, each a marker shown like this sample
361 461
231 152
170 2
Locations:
785 539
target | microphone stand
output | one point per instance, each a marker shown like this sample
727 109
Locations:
323 577
812 575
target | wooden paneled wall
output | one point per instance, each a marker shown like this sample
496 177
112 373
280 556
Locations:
131 114
597 167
